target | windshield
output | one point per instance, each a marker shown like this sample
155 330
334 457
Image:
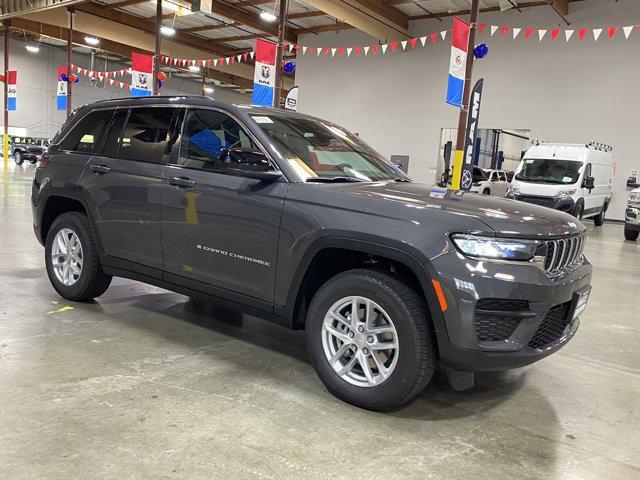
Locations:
318 150
545 170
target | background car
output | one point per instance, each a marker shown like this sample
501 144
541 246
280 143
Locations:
632 216
489 182
28 149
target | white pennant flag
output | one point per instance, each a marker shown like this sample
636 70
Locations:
111 81
175 61
494 29
333 52
251 54
568 34
384 48
349 50
227 60
443 34
366 50
541 34
184 62
304 50
516 32
404 44
596 33
627 31
239 57
318 51
423 40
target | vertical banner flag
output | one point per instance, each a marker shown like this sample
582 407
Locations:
11 89
141 74
471 135
62 89
264 76
458 63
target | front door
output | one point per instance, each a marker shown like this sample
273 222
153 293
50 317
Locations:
219 230
125 184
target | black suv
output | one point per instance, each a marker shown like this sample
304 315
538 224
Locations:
296 220
28 149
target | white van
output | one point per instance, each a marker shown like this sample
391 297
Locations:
574 178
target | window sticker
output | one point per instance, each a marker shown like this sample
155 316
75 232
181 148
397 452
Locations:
528 161
262 119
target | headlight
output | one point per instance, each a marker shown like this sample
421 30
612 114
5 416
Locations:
496 248
513 189
566 193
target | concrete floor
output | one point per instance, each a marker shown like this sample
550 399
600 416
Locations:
146 384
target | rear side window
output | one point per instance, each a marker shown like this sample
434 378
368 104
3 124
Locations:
86 136
114 137
146 135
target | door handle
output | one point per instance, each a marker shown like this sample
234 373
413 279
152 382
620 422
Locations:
100 169
182 182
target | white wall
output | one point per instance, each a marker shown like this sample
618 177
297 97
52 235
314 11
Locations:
37 82
575 92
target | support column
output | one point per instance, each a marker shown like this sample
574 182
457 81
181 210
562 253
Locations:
458 158
282 26
5 149
70 11
156 54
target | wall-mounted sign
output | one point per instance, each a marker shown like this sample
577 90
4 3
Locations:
291 101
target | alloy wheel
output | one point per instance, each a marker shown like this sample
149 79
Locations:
360 341
66 257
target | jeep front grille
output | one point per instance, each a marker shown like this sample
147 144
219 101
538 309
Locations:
563 253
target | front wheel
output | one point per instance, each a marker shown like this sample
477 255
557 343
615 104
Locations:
486 191
578 211
631 234
17 158
369 339
598 220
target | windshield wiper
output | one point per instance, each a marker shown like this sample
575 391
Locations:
333 179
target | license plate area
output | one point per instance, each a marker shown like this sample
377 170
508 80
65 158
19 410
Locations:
580 302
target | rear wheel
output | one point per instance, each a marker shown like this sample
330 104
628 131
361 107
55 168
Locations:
598 220
486 191
369 339
17 158
72 259
631 234
578 211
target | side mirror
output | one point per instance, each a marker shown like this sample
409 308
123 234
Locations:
247 163
589 183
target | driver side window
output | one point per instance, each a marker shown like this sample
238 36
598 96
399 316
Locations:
205 134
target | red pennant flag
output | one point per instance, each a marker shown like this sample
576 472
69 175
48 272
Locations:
245 55
554 34
394 45
326 51
310 50
357 50
582 33
528 32
481 27
340 51
298 48
232 59
433 37
612 32
413 42
505 30
374 48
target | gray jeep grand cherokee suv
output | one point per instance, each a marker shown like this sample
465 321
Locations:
296 220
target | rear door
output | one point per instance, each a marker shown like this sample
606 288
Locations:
125 184
219 230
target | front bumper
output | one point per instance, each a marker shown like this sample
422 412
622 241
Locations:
564 204
467 282
632 218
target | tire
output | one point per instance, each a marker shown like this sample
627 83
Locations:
410 367
598 220
630 234
578 211
91 281
17 158
486 191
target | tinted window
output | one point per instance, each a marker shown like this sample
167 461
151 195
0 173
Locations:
114 136
205 134
86 135
146 135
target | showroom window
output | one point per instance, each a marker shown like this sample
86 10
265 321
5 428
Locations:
205 134
146 136
86 135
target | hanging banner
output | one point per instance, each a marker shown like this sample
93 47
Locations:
471 135
291 101
264 77
141 74
12 76
458 62
62 89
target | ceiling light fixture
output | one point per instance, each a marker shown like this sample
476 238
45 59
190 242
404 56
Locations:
92 40
268 17
208 89
194 68
167 31
32 48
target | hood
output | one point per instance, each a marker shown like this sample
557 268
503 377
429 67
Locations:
503 216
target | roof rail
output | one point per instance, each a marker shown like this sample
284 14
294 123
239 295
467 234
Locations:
600 146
